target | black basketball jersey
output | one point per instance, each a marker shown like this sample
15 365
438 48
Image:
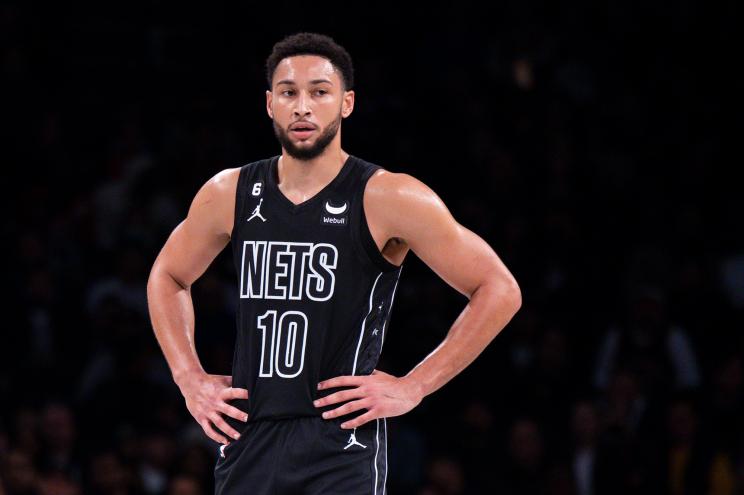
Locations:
315 293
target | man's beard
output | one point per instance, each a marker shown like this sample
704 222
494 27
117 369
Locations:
321 142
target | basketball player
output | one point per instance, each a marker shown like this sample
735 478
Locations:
318 238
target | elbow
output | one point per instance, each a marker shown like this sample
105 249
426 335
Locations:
504 293
513 294
159 275
518 300
153 283
509 294
155 276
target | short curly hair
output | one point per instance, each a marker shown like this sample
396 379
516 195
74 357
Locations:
312 44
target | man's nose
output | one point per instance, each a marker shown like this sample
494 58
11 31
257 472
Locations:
303 104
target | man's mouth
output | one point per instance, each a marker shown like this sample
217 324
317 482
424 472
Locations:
302 131
302 125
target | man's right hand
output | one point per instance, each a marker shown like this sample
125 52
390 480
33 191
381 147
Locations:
206 399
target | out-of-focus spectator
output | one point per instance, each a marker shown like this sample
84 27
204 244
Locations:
476 443
59 451
724 400
184 485
586 430
445 476
625 408
18 474
408 460
691 463
195 462
4 441
560 480
58 484
107 475
732 279
525 469
626 423
159 453
660 353
26 428
125 285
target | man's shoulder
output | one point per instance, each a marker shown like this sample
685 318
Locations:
225 181
228 174
386 184
399 205
394 199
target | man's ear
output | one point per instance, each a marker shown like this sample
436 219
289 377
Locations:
347 105
269 99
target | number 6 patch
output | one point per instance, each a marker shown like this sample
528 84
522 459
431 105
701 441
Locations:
257 188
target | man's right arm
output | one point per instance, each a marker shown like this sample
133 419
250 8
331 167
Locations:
189 250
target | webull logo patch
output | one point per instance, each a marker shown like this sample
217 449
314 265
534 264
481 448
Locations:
332 214
329 220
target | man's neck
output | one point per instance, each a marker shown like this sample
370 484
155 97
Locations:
299 177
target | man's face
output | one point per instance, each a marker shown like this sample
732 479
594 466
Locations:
307 92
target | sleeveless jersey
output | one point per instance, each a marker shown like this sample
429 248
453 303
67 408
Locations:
315 293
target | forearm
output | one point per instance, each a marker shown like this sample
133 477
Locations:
490 308
172 315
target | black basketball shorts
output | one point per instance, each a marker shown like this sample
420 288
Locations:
304 456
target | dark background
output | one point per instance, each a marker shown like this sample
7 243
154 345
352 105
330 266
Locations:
584 142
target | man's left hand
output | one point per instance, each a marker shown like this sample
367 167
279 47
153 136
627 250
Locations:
381 394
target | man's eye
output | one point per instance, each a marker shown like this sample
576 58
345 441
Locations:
322 91
287 91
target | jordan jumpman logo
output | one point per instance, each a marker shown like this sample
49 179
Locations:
257 212
353 441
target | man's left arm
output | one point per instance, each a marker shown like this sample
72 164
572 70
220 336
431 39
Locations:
402 206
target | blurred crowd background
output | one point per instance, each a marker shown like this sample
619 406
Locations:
584 142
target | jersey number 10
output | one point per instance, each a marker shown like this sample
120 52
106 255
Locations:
284 336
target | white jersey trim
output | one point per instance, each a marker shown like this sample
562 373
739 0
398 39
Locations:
364 323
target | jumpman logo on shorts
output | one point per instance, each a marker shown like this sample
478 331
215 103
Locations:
257 212
353 441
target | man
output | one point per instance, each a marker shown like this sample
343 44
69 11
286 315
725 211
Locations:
318 238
